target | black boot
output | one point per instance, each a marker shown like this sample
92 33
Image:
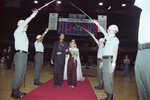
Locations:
37 82
20 93
100 87
14 94
109 97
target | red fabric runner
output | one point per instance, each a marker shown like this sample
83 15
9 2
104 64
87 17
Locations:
83 91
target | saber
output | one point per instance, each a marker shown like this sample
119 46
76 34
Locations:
24 80
46 5
80 10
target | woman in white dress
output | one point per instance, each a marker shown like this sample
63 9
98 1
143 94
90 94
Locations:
78 69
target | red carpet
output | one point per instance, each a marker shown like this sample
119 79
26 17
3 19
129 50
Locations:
83 91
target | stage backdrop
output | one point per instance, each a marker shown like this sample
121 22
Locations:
71 26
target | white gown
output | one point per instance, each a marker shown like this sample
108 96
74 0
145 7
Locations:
79 71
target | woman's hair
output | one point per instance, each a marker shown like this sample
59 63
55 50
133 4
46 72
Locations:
74 43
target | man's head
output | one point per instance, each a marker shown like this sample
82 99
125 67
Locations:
9 47
112 29
61 37
21 22
101 41
38 37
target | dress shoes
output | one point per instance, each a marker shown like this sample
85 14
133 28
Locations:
59 85
21 94
37 82
109 97
14 94
100 87
54 85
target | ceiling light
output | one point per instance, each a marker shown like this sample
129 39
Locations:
109 7
123 5
59 2
100 3
35 1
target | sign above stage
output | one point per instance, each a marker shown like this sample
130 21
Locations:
69 26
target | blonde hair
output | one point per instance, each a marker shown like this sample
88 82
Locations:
74 43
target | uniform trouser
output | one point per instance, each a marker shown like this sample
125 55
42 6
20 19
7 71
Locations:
99 72
9 62
20 60
142 72
107 77
58 68
38 65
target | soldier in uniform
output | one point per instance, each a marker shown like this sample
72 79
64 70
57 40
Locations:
20 58
100 44
109 58
39 48
142 63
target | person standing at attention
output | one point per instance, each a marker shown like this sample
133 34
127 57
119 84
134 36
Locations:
39 48
20 58
109 58
142 63
100 44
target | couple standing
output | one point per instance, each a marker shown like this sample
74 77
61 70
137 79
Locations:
66 61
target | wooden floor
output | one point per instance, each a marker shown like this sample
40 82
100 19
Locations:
125 88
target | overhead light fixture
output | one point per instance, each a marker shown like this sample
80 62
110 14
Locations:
123 5
59 2
109 7
35 1
100 3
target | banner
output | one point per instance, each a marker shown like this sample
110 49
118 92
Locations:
53 18
77 16
102 20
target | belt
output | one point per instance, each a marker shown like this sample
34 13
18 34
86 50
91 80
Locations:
21 51
107 57
39 52
144 46
99 59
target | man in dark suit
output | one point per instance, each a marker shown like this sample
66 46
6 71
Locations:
60 49
9 57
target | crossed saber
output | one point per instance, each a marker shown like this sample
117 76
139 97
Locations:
81 27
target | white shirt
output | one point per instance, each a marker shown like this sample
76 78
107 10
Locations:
144 24
39 46
111 43
100 51
21 39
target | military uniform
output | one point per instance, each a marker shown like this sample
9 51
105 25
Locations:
99 71
39 48
111 42
142 63
20 58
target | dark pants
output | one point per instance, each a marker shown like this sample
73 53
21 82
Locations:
9 62
58 68
142 72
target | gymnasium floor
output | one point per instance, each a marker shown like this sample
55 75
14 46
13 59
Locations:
125 88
